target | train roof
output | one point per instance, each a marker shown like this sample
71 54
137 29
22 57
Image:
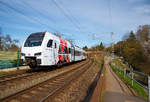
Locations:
79 49
63 40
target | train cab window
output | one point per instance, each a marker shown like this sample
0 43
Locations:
35 39
50 43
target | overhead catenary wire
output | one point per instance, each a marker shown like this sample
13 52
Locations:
109 11
21 13
65 14
40 13
112 33
74 18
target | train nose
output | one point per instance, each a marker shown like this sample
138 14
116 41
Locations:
31 61
29 54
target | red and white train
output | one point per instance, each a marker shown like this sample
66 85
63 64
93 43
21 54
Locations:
46 49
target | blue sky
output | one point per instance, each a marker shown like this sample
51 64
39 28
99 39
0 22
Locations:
81 20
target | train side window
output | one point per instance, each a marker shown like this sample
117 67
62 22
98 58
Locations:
55 45
72 51
65 49
50 43
59 49
69 50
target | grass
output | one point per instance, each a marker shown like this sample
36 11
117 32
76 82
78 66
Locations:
103 86
8 55
99 60
8 59
140 90
118 62
3 73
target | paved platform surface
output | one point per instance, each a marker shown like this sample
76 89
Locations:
116 90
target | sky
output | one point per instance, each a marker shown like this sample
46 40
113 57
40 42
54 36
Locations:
87 22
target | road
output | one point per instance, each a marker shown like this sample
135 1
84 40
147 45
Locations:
115 89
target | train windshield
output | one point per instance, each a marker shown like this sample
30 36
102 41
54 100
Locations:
34 40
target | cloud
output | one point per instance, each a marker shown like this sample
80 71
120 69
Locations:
135 1
91 17
144 9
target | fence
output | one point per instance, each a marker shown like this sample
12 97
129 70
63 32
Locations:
136 77
9 59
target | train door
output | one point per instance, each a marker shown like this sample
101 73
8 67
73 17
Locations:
55 52
49 60
72 54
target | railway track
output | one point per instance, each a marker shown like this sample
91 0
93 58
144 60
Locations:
19 74
29 78
73 77
16 76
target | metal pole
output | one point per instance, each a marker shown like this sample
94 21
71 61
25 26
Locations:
148 88
18 59
112 43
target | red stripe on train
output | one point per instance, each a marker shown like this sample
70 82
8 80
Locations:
60 57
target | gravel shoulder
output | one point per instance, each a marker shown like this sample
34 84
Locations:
115 89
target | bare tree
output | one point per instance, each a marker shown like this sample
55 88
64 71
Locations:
15 41
143 33
7 42
0 38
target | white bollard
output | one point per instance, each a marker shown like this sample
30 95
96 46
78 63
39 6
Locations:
124 72
132 77
148 88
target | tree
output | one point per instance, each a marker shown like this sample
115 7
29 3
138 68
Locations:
101 47
133 54
0 38
7 43
132 51
135 48
118 48
143 33
131 37
0 42
85 48
143 36
13 47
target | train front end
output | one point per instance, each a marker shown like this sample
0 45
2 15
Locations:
31 51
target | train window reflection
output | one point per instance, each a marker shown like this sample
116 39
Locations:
34 40
50 43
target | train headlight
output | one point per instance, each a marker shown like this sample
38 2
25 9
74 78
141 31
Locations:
37 54
22 54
